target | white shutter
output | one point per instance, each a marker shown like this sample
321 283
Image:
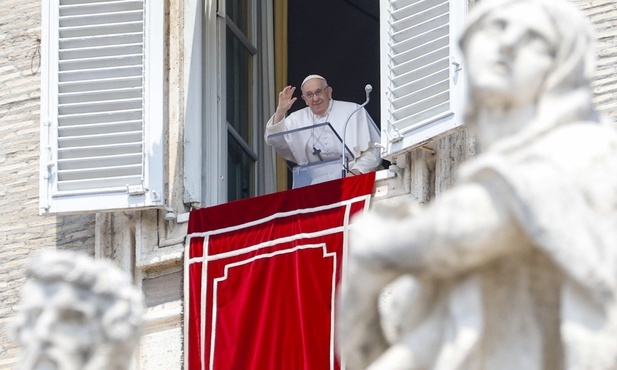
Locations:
101 105
421 77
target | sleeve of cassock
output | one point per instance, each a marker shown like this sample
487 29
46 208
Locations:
368 156
279 143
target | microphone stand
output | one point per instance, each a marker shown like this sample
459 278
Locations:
344 160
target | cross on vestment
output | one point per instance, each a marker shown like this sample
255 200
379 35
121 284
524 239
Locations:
317 152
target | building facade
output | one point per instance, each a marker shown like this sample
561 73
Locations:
191 85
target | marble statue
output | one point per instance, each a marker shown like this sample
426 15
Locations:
515 266
77 313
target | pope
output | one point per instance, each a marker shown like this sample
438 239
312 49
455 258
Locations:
320 143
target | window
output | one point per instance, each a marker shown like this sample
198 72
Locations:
225 154
240 60
101 105
421 73
230 53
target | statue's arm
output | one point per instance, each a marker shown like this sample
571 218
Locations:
464 228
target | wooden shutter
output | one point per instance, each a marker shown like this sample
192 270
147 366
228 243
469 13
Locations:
101 105
422 80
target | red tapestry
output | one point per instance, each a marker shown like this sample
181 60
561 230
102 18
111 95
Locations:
261 278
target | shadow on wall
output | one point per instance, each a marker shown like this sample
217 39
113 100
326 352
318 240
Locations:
76 233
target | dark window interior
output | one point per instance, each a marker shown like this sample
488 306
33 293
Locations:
338 39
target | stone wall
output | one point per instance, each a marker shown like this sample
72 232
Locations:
603 15
22 231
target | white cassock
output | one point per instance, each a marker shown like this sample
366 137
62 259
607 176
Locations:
320 144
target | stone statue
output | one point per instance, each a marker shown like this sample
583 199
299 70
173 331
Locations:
77 313
515 266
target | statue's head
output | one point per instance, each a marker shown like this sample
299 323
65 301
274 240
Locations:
530 53
510 52
77 313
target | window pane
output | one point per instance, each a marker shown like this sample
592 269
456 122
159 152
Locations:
239 86
238 12
240 172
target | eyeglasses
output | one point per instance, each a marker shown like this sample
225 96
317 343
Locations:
318 92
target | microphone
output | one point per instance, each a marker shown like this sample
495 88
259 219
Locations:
344 162
368 88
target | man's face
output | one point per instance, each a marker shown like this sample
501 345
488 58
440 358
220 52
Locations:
61 329
317 95
510 55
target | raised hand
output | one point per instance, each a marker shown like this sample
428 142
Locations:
286 100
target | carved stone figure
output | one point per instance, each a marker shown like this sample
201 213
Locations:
515 266
77 313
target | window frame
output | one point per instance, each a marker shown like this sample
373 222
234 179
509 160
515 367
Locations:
247 146
206 126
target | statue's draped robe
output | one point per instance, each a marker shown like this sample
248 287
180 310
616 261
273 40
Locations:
548 300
